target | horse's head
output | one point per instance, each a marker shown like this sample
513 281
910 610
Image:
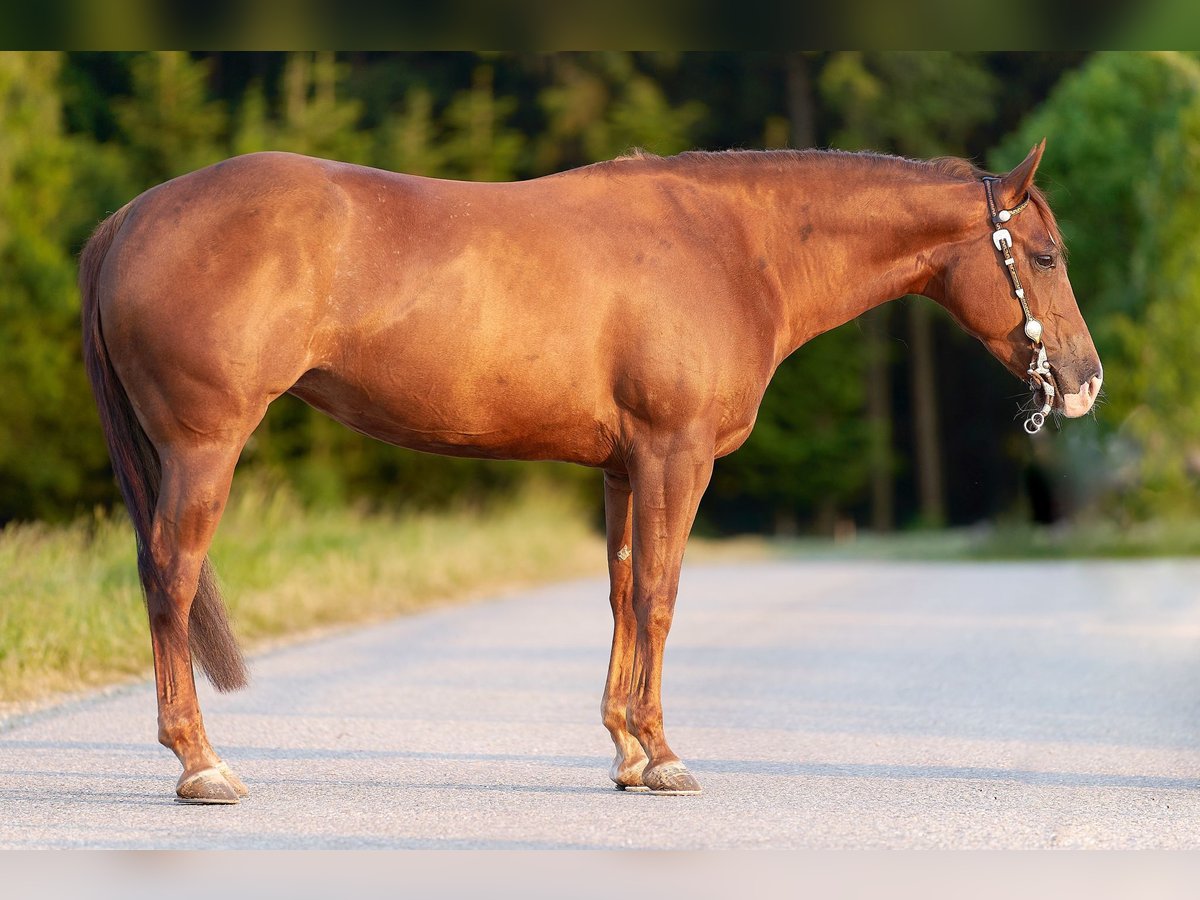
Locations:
1012 247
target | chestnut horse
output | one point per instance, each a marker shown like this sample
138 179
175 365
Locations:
626 315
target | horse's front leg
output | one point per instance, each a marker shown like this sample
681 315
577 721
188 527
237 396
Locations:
667 488
627 767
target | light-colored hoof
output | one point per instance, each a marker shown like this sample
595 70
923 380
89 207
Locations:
633 788
628 777
208 786
234 782
671 780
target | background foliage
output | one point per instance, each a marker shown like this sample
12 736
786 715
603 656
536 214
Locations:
895 420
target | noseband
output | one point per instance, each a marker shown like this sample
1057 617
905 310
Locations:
1039 368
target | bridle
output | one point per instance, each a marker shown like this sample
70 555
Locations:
1039 368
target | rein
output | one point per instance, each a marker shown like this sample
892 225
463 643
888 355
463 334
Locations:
1039 368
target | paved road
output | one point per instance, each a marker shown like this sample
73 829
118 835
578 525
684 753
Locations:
821 704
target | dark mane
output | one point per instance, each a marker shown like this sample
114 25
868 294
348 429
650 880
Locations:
951 168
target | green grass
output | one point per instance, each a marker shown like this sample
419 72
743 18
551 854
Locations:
71 614
72 618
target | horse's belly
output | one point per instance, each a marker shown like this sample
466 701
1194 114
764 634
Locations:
493 420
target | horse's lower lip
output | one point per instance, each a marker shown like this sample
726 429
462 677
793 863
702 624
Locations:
1081 402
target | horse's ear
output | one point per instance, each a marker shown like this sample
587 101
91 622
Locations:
1016 184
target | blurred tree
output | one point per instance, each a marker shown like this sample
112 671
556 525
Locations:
1161 343
313 118
408 138
801 101
469 137
1103 124
52 458
476 144
918 105
134 119
599 105
1123 170
808 453
169 125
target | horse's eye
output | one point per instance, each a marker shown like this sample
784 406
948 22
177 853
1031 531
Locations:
1044 261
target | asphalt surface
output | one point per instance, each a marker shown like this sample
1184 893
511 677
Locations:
820 704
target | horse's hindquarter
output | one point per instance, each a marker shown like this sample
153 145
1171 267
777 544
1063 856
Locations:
208 294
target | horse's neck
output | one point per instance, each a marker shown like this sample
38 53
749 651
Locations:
844 241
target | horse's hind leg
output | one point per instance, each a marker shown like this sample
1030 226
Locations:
192 496
627 768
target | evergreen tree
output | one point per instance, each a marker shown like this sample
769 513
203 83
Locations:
408 138
808 454
169 124
136 119
601 105
52 458
315 116
1123 171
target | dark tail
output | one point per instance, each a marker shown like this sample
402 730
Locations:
139 472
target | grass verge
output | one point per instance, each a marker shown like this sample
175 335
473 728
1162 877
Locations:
71 614
72 617
1095 540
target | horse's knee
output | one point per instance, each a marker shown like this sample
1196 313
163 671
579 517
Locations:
620 590
613 713
655 619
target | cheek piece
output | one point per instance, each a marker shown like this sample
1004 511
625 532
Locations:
1039 367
